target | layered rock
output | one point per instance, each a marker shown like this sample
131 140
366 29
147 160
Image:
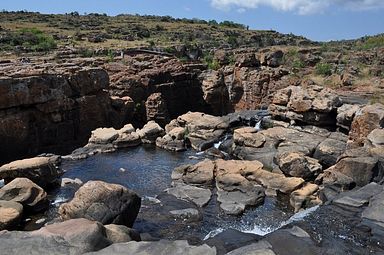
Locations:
239 183
103 202
54 111
104 140
43 171
313 105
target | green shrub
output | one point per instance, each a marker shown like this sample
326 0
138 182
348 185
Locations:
373 42
211 62
323 69
32 39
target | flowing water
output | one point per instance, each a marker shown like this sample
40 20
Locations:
147 170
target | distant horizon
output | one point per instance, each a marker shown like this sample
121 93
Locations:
321 23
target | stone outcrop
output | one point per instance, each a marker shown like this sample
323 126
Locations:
366 120
75 236
298 165
25 192
103 202
150 132
313 105
155 248
239 183
215 92
104 140
51 111
44 171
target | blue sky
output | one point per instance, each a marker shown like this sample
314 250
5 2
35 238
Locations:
320 20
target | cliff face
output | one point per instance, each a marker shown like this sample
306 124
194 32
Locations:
51 112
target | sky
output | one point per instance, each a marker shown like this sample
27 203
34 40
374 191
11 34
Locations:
319 20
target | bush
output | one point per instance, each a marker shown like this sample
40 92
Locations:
323 69
211 62
32 39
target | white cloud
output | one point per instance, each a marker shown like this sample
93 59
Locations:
302 7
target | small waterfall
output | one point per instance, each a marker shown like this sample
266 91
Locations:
258 125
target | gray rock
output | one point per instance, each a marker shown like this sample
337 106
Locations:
259 248
162 247
360 197
121 234
43 171
197 195
329 151
187 214
70 237
103 202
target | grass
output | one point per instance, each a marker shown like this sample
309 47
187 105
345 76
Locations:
323 69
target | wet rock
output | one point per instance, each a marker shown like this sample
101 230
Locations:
10 214
121 234
297 165
43 171
68 181
301 198
200 173
203 130
162 247
197 195
187 214
230 240
70 237
150 132
366 120
23 191
103 202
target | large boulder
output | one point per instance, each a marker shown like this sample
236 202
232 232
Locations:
366 120
199 196
313 105
298 165
10 214
121 234
43 171
303 198
103 135
25 192
103 202
162 247
203 130
200 173
150 132
330 150
75 236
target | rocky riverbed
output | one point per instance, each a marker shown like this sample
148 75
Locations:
301 175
